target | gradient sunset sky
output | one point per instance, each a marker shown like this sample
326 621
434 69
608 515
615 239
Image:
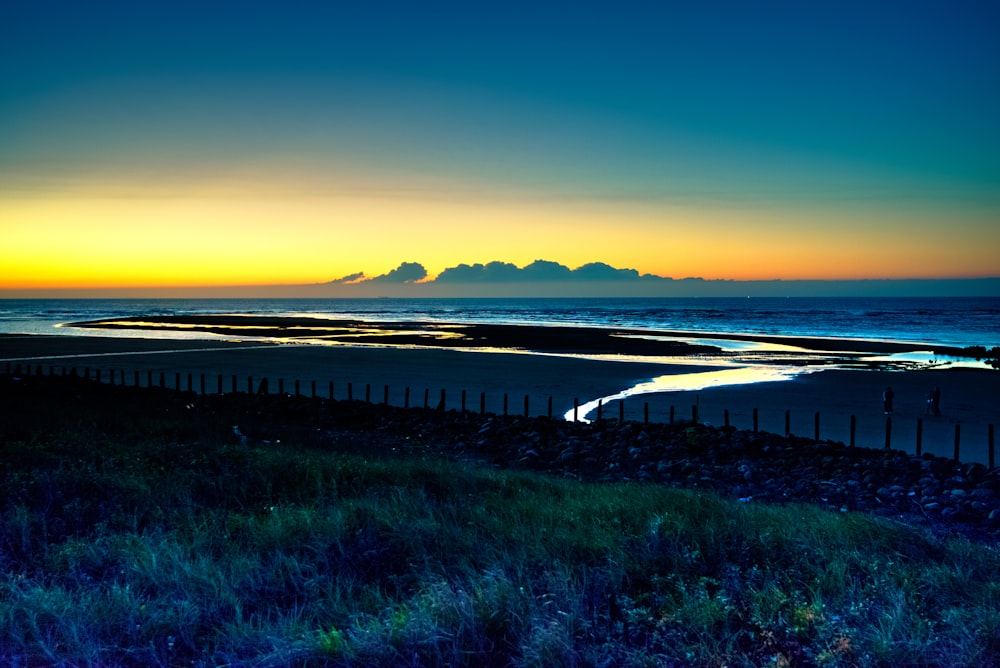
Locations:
216 143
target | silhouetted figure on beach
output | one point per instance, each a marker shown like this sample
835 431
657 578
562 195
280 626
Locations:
887 400
934 401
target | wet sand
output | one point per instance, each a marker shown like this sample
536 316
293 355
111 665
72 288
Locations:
970 398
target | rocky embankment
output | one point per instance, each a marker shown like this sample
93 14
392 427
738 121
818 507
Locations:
945 495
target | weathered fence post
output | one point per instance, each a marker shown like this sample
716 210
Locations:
406 397
645 412
854 427
368 393
920 437
427 396
350 391
177 381
958 431
441 404
385 396
281 386
550 407
298 393
600 405
888 431
190 382
576 409
331 390
817 426
755 423
725 417
220 383
482 403
505 404
135 376
234 383
788 422
463 400
671 414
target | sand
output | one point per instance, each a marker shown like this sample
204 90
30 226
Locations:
970 397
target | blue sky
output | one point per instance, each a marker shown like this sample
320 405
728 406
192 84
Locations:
824 126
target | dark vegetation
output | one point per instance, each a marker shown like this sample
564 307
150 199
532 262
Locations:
139 528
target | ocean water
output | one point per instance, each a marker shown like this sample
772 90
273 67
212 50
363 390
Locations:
935 321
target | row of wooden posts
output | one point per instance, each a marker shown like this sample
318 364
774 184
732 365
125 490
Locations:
262 388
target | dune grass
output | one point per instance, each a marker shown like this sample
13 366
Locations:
155 543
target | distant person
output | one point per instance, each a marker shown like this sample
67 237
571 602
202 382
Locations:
887 400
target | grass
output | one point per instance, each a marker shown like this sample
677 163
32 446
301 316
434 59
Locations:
130 541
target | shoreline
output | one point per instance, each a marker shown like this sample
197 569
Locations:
490 380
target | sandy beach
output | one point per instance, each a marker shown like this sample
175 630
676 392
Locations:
970 397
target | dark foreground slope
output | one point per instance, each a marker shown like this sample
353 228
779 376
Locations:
153 527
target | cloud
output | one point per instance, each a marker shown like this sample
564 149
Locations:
537 271
349 279
599 271
408 272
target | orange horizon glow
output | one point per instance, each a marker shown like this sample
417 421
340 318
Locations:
201 239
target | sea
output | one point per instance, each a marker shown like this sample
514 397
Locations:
934 321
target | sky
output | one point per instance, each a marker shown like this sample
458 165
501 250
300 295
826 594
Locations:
177 144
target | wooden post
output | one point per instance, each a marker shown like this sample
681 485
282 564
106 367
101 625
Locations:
621 410
313 388
788 422
482 403
135 376
350 391
234 383
920 437
671 415
281 386
817 426
190 382
989 445
441 404
463 400
202 384
958 431
725 417
406 397
854 427
645 412
98 374
550 407
526 405
576 409
111 376
600 405
163 379
505 404
427 396
888 431
249 384
368 393
298 392
331 390
385 396
220 383
755 422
